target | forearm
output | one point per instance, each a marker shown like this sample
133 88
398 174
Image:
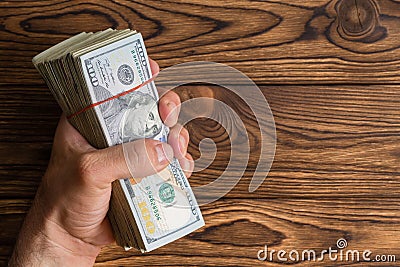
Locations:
42 242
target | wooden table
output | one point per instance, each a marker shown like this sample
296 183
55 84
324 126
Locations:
330 72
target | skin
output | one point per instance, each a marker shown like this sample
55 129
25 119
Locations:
67 223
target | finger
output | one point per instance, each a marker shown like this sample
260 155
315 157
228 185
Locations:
136 159
178 138
187 165
155 68
169 108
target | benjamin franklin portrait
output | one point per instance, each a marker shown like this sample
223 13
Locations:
129 117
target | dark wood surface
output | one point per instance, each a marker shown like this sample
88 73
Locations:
329 70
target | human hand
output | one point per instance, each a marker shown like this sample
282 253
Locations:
67 223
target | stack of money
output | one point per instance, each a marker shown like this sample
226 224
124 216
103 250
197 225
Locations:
93 76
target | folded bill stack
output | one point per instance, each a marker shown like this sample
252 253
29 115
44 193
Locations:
102 82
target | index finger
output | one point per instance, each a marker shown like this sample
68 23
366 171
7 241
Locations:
155 68
169 107
169 104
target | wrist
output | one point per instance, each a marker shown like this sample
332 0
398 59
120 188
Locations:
65 248
43 241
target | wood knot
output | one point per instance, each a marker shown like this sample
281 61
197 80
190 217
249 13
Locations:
357 18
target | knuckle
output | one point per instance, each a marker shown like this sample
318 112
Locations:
141 158
133 157
145 157
137 156
87 166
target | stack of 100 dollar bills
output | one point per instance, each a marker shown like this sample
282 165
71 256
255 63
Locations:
88 74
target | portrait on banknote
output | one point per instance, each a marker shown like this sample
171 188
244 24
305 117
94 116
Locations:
129 117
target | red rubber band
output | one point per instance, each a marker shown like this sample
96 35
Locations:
113 97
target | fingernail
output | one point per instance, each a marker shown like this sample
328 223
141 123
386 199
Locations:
172 107
164 153
182 145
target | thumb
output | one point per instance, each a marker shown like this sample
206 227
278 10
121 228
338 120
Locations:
136 159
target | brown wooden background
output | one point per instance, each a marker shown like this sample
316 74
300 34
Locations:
330 72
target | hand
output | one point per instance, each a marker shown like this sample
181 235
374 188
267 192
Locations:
67 223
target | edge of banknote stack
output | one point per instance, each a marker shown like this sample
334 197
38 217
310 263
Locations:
71 82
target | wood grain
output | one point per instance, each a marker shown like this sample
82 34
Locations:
250 224
330 140
329 71
335 173
273 42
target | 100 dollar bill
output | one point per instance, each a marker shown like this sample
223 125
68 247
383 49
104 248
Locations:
163 204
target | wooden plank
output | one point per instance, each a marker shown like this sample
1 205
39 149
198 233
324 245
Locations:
236 229
330 141
278 42
336 169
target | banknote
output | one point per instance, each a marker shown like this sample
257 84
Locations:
163 205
